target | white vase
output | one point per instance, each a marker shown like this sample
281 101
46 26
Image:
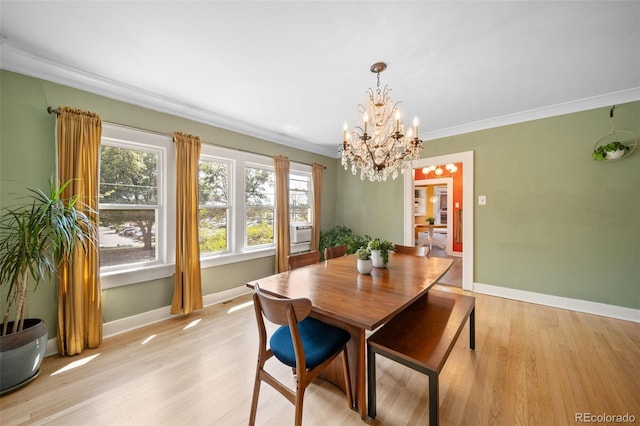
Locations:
376 257
614 155
365 266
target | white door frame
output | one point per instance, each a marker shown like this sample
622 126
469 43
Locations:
466 158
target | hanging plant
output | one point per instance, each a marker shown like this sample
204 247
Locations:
610 151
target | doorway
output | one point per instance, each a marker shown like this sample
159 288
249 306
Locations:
466 158
440 188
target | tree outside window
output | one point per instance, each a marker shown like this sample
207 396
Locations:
214 200
259 206
128 205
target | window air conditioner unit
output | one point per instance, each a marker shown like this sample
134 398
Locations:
300 234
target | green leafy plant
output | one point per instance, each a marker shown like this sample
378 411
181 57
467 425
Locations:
35 237
363 253
431 220
340 235
384 246
600 153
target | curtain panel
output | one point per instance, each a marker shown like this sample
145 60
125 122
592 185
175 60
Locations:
187 290
316 182
281 164
78 136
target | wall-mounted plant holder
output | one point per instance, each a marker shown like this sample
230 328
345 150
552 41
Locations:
615 145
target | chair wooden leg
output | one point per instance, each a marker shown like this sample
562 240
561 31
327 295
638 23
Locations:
256 394
299 403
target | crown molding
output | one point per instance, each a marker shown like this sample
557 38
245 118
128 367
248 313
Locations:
609 99
19 61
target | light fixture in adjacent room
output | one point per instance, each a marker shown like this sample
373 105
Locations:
380 146
438 170
451 167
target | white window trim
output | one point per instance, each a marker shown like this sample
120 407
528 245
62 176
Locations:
165 266
132 274
236 231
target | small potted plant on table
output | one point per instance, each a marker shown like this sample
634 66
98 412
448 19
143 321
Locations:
380 252
365 264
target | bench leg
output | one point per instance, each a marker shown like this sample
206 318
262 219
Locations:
371 382
434 399
472 329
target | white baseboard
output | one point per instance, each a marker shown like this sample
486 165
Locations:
612 311
122 325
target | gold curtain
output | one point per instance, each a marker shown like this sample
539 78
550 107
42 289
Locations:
187 290
316 181
282 212
79 295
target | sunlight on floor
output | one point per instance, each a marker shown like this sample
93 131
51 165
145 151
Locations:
148 339
192 324
76 364
240 306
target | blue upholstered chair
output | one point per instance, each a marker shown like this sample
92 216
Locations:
305 344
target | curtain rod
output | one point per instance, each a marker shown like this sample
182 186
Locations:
56 111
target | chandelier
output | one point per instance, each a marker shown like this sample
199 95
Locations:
379 147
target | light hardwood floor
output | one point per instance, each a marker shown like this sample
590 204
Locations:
533 365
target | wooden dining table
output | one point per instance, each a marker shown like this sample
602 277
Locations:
356 302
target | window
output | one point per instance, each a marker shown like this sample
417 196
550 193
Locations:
133 213
300 198
128 205
440 207
237 204
215 205
259 191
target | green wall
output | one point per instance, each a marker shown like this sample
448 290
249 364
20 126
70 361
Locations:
556 222
27 160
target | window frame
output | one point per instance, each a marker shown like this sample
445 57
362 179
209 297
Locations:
238 252
164 265
127 137
231 206
298 169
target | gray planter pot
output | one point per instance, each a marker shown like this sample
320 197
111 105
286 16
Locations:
21 355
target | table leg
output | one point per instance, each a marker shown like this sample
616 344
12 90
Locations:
356 349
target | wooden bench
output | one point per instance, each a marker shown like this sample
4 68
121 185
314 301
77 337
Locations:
421 337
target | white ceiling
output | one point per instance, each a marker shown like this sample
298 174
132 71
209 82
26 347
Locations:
293 72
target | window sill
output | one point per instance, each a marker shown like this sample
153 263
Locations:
135 275
225 259
138 275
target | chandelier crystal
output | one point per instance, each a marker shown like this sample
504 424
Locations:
379 146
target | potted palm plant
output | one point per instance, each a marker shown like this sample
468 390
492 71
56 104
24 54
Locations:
35 237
